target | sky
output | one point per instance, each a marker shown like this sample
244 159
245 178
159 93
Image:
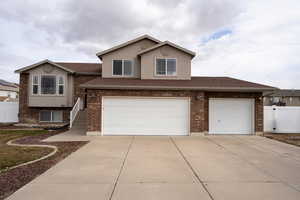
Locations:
255 40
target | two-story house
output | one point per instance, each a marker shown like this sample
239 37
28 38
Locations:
141 87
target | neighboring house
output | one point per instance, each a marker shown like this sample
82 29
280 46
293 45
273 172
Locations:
8 91
282 98
142 87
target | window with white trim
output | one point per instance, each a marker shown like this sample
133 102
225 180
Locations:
122 68
48 84
51 116
35 84
61 85
166 67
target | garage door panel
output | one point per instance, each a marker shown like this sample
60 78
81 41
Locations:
144 116
231 116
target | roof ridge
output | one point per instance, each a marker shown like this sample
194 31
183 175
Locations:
249 82
79 62
210 77
193 54
123 44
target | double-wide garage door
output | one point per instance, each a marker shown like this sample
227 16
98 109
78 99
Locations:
145 116
231 116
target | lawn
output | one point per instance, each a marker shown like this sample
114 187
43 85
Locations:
13 179
12 155
290 138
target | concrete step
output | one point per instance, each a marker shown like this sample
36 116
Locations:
80 121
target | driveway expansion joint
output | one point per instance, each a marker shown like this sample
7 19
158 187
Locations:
121 168
192 169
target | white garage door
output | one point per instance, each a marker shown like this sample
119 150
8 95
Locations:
231 116
145 116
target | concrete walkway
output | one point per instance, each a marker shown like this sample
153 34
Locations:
189 168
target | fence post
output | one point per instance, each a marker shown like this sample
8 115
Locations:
274 119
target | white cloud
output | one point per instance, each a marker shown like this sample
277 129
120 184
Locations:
262 47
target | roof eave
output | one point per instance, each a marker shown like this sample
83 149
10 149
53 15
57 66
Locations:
41 63
88 73
229 89
99 54
191 53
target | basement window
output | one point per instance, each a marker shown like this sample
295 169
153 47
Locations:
51 116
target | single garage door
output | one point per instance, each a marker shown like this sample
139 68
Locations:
231 116
145 116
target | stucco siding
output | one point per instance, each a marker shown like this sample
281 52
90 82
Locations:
183 61
50 100
128 52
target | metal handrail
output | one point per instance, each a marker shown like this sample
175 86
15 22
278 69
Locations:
74 111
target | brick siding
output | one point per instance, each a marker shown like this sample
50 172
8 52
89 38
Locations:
31 114
199 105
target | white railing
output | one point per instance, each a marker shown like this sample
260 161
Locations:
74 112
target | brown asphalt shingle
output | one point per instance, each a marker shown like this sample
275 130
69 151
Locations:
221 83
82 67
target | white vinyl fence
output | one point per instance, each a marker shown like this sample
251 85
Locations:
9 112
282 119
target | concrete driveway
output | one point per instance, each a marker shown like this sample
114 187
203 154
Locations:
189 168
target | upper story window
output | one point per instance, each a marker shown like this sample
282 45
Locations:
48 85
166 67
122 68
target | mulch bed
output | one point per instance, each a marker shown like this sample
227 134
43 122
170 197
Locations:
289 138
13 179
12 127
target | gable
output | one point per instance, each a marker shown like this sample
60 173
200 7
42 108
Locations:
132 50
127 52
68 67
47 69
167 44
129 43
33 66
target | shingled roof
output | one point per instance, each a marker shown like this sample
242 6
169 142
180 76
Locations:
283 93
196 83
82 67
71 67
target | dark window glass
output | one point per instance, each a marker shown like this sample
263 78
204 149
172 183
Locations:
117 67
45 116
35 89
57 116
35 85
127 67
160 66
61 89
48 85
171 67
